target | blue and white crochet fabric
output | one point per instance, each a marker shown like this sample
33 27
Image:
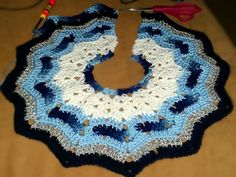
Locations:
59 102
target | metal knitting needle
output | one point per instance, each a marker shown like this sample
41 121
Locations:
45 13
182 11
137 9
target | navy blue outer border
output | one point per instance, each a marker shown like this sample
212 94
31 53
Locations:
68 159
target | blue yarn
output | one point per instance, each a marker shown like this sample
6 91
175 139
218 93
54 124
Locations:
65 42
195 71
46 92
179 106
89 78
66 117
179 44
192 95
153 126
46 65
96 30
150 30
118 93
110 131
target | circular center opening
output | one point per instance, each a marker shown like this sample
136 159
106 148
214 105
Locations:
118 74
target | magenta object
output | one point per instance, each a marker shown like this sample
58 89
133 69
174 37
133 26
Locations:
182 11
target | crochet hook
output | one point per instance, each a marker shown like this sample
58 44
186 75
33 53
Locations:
182 11
45 13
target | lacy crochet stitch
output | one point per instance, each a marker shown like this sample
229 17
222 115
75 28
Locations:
163 115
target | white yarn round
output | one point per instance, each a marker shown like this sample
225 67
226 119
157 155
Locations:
76 92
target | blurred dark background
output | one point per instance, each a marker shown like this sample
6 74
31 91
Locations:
225 12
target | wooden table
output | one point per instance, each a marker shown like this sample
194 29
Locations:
22 157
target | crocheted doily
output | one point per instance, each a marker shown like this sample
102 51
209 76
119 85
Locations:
58 101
